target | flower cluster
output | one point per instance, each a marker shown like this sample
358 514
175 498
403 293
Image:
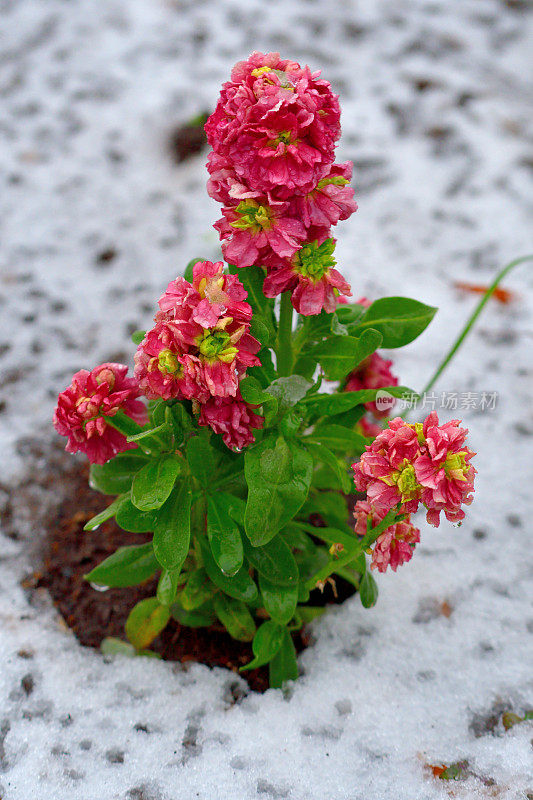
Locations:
200 348
84 408
273 135
411 465
233 418
395 545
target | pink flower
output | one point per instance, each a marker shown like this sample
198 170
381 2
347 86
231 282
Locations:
444 470
395 546
364 301
275 125
83 408
330 201
200 345
368 428
312 278
422 463
163 370
373 373
233 418
385 470
250 231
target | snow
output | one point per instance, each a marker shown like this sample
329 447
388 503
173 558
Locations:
89 98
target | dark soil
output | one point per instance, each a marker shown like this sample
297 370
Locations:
188 140
69 553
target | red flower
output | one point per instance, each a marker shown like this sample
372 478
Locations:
83 408
395 546
233 418
275 125
386 472
444 470
311 276
373 373
200 345
423 463
330 201
250 231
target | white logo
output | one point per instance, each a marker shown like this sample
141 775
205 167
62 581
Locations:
384 401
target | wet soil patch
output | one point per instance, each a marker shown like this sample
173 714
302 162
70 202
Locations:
68 553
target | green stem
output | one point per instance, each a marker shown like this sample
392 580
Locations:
468 327
351 555
284 354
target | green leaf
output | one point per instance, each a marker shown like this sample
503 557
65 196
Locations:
137 336
201 617
146 621
252 391
311 564
240 586
267 641
305 366
153 484
224 535
172 530
147 653
197 590
339 355
274 561
325 405
236 508
339 438
323 455
278 478
348 419
283 667
260 331
332 535
126 425
104 515
289 390
131 519
350 313
310 613
201 459
368 590
235 617
331 506
182 422
398 319
280 601
110 646
115 476
167 586
300 543
266 373
128 566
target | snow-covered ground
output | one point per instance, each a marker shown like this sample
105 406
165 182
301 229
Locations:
436 104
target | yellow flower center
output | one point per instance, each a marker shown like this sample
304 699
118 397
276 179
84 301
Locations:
253 216
405 481
216 345
456 466
167 362
314 261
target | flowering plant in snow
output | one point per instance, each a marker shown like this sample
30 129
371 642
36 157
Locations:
237 442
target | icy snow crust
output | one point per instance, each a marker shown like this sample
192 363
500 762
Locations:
435 105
